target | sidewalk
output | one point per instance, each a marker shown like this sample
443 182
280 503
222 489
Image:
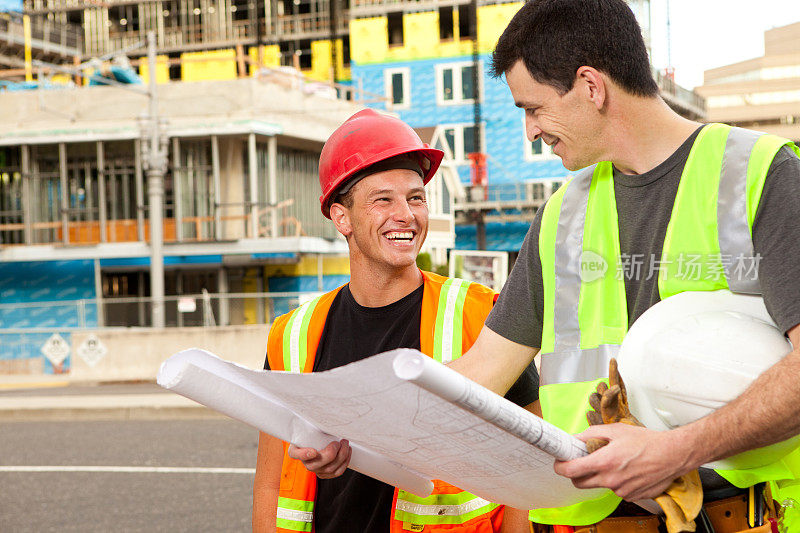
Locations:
51 398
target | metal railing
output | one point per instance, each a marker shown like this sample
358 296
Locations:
43 32
186 310
681 96
296 26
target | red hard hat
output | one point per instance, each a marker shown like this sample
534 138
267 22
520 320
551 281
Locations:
364 139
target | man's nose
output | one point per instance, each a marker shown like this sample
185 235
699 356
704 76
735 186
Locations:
532 129
403 212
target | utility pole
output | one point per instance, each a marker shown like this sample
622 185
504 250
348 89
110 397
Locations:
334 32
154 160
480 224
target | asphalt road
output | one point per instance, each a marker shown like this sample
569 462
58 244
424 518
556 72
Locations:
139 500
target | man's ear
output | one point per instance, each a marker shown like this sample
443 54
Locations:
593 85
340 216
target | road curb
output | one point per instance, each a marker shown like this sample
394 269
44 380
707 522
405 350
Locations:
112 413
102 407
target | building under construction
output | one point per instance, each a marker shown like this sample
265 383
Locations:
247 94
212 40
431 61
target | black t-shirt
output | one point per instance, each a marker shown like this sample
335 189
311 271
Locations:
353 501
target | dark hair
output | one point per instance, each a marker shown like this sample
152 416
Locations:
554 38
345 199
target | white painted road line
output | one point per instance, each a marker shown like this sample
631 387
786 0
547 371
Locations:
95 401
130 469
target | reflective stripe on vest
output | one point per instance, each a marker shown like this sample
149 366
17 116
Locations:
447 346
733 230
448 509
587 317
295 344
295 515
448 339
448 330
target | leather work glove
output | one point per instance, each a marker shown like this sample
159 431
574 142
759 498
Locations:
683 499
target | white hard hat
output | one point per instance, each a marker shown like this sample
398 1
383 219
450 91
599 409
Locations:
692 353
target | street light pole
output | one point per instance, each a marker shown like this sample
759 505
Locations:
154 161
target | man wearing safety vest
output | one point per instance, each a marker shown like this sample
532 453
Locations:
662 205
372 172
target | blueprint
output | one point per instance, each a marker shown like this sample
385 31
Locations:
408 418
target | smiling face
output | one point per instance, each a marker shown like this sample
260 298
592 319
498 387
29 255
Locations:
568 122
387 222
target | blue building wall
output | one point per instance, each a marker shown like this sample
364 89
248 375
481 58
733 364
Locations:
282 306
47 281
10 6
500 236
23 285
503 121
503 135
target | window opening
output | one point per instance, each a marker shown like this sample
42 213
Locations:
465 14
346 50
174 66
446 23
456 83
447 84
467 82
395 28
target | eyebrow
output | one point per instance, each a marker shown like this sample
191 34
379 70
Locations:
391 191
380 192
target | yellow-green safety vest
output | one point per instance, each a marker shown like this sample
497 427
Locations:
708 246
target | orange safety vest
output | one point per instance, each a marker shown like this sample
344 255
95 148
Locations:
453 312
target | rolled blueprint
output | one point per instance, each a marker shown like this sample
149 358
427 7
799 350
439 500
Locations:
409 420
224 386
453 387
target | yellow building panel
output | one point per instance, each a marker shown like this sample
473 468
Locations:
492 20
250 284
454 48
270 57
369 40
320 61
162 70
61 79
209 65
307 266
421 33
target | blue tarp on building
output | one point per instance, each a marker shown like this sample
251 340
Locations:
7 6
500 236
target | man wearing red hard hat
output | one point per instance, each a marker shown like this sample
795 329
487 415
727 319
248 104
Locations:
372 172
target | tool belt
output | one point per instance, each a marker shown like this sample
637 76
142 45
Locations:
726 516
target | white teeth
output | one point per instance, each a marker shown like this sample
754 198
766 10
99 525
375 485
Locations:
397 235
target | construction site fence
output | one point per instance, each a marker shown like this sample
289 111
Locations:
188 310
526 191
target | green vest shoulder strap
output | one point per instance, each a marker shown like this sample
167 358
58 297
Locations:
585 309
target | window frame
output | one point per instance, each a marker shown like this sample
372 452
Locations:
387 86
459 155
457 68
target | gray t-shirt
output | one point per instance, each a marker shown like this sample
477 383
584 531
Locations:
644 206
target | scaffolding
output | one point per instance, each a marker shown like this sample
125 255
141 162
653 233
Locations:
196 25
